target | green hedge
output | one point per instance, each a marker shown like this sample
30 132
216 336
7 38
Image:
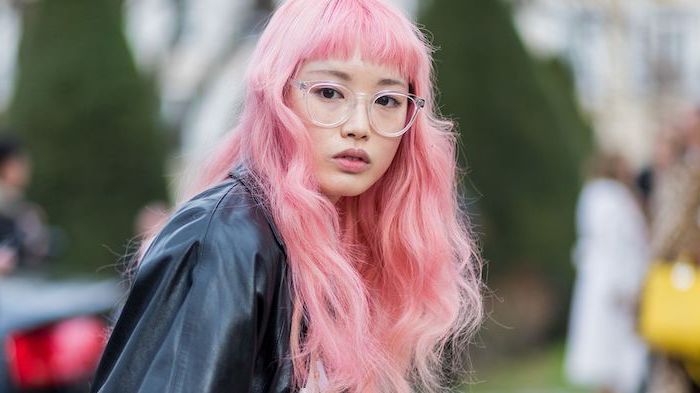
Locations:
522 136
90 124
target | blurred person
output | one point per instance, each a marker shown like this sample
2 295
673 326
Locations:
675 228
24 238
8 260
150 218
325 249
611 254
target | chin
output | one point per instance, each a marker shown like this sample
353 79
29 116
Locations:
349 190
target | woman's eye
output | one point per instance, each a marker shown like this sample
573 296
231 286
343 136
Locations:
328 93
388 101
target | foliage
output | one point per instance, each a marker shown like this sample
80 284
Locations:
90 124
521 134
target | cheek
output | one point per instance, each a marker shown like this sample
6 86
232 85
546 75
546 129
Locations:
322 147
386 153
317 136
295 101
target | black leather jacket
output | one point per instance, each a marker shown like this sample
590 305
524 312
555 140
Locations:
210 309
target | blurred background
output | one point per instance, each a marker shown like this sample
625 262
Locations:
106 101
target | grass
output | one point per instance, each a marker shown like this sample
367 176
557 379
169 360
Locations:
541 372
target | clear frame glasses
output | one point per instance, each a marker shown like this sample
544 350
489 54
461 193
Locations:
330 104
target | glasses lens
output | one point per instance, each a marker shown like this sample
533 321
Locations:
392 113
328 104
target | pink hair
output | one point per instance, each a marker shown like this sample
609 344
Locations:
386 281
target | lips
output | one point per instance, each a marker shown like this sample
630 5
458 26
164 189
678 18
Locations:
352 161
354 155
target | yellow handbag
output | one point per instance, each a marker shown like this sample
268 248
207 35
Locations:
670 308
669 317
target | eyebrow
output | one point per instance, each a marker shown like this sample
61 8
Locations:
347 78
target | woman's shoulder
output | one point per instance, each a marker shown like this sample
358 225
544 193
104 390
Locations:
604 195
210 276
223 221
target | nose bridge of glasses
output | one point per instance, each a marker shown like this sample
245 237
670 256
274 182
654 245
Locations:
361 100
359 107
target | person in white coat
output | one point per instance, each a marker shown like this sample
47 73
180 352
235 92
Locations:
611 255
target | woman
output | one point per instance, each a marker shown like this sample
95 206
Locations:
327 249
675 232
603 349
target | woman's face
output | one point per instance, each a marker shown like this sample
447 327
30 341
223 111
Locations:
348 158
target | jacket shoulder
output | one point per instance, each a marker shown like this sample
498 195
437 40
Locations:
207 304
224 219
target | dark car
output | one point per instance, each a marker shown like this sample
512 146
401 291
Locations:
52 333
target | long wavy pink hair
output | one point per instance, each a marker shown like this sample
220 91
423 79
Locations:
383 282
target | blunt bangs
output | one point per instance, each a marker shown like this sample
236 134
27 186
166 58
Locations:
380 36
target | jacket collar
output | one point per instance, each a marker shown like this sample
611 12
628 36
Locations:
243 174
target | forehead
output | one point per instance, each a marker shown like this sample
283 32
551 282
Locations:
354 70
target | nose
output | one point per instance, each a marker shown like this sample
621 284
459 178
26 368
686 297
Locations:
357 126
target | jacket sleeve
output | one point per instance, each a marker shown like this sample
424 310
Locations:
196 310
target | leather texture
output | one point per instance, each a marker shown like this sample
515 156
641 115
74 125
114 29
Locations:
209 309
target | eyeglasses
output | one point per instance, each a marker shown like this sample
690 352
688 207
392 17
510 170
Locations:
330 104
